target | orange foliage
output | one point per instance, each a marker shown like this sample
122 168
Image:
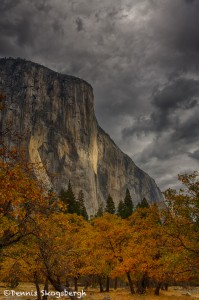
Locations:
36 235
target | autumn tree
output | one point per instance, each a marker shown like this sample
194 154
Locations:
147 248
21 263
112 237
27 214
20 198
181 218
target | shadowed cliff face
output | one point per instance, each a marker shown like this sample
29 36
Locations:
55 114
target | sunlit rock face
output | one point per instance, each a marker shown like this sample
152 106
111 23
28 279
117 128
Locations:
55 115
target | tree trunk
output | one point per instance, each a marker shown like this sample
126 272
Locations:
157 289
115 284
14 283
75 284
107 283
58 280
166 286
88 282
45 297
130 283
61 288
67 283
36 281
100 284
142 284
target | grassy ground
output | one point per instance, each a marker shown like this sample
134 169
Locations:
174 293
123 294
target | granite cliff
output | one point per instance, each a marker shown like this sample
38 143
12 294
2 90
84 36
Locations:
55 114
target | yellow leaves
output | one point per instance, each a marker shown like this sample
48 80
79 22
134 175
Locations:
182 225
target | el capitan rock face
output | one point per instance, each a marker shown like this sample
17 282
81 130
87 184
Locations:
55 114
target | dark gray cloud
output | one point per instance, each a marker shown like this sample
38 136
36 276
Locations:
189 1
9 4
43 6
168 105
79 23
195 154
142 58
179 94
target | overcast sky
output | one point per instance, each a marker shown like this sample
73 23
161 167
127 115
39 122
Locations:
140 56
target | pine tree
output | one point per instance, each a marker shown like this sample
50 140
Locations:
68 198
121 210
82 208
100 212
143 204
128 204
110 205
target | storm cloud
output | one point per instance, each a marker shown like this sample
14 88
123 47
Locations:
142 59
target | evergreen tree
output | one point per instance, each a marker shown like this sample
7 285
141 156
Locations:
100 212
68 198
110 205
128 204
143 204
121 212
82 208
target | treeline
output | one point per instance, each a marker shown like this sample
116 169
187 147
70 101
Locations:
76 205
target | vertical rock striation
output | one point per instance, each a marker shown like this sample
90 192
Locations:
55 114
